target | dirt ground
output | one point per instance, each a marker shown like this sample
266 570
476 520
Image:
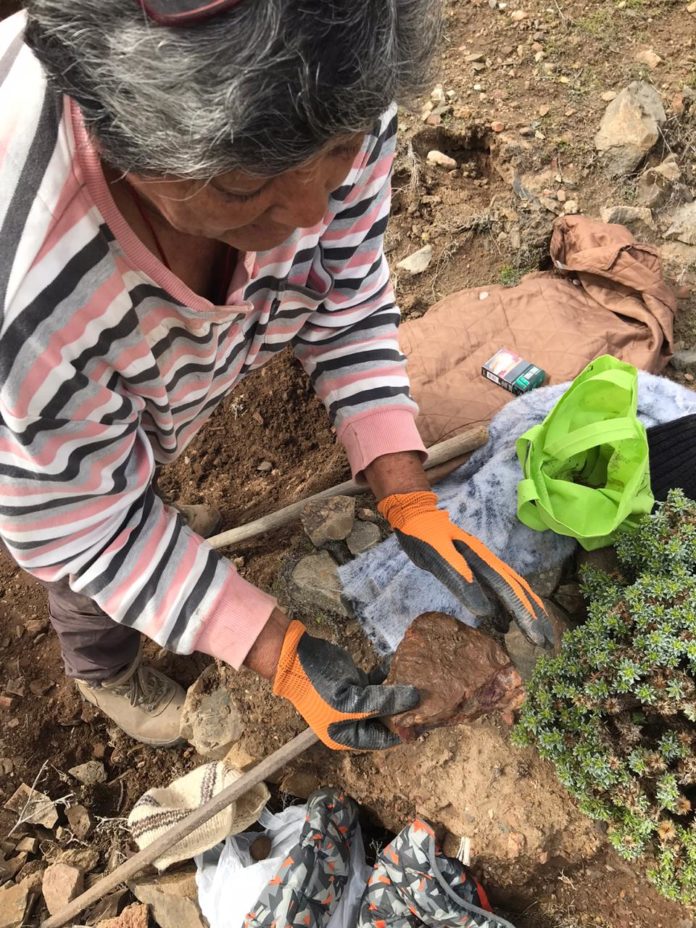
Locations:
542 78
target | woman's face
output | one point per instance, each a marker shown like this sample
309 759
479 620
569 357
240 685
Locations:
252 213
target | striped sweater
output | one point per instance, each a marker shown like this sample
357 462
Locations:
109 365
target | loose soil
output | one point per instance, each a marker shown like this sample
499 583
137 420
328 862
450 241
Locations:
542 78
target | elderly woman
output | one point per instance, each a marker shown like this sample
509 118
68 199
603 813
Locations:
187 187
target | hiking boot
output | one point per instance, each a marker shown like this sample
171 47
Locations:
203 520
143 702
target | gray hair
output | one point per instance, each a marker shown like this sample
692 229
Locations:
262 87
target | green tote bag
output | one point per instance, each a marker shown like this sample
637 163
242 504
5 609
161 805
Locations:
586 467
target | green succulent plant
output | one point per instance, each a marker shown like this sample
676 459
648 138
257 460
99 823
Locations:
615 711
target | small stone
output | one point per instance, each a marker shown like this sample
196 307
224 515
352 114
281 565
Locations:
10 868
516 844
684 360
626 215
523 654
40 688
260 849
35 627
211 720
34 807
571 206
133 916
648 57
265 467
365 535
561 195
691 8
16 687
441 159
84 858
316 582
14 900
80 821
417 262
683 224
437 94
7 703
544 110
28 845
61 884
366 515
326 520
89 773
689 378
655 185
544 582
497 126
518 15
173 898
609 95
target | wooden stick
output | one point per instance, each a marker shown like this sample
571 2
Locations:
135 864
437 455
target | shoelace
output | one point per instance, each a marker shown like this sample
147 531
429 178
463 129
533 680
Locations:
145 688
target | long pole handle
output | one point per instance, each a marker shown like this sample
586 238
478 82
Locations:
137 862
438 454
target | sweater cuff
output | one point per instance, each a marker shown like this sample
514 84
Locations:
385 431
239 617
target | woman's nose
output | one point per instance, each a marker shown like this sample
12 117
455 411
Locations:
303 202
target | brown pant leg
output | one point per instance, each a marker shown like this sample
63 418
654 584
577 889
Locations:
94 647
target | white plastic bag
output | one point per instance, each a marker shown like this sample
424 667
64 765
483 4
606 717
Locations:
230 881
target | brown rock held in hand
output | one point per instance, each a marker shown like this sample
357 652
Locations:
461 674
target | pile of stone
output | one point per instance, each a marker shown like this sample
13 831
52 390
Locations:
338 532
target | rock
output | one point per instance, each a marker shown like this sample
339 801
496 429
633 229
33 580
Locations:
61 884
80 821
265 467
523 654
685 360
461 675
90 773
14 902
683 224
300 783
84 858
518 15
417 262
260 849
571 206
655 185
366 515
680 261
35 627
441 159
106 908
316 582
328 519
172 898
691 8
569 598
544 582
11 867
211 721
133 916
630 127
649 57
364 536
28 845
497 126
33 807
626 215
609 95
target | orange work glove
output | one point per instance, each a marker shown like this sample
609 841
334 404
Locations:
463 563
337 699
